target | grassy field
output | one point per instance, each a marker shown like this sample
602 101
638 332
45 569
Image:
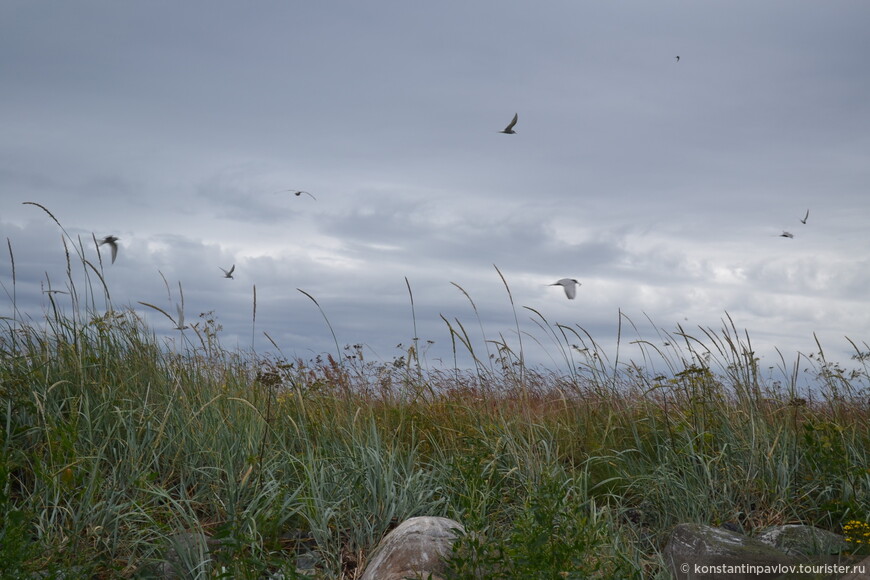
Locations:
111 443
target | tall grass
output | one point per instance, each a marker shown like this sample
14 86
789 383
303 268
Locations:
115 446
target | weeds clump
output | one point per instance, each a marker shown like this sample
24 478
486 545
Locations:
113 446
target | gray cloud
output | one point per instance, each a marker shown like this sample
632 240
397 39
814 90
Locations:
662 186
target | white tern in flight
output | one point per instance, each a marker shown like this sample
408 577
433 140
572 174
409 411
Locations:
113 242
569 285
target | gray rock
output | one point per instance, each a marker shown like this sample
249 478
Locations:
188 553
699 552
306 562
415 549
830 568
800 540
861 571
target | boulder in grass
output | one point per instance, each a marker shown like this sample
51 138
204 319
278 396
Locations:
801 540
187 553
860 571
415 549
699 552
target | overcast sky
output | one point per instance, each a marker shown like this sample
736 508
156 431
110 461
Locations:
661 185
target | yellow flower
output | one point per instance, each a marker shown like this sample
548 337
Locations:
857 532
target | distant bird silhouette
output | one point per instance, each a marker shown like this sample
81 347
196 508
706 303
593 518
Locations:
297 193
228 273
786 235
569 285
804 221
510 128
113 242
678 59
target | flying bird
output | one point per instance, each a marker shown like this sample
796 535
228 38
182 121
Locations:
300 192
569 285
786 235
113 242
180 325
297 193
678 59
804 221
510 128
228 273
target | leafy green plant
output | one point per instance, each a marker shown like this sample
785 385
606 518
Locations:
18 546
553 532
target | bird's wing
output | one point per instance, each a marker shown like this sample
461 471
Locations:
233 269
513 122
114 250
570 289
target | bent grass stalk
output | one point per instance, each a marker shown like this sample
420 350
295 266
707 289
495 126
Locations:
521 359
340 359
